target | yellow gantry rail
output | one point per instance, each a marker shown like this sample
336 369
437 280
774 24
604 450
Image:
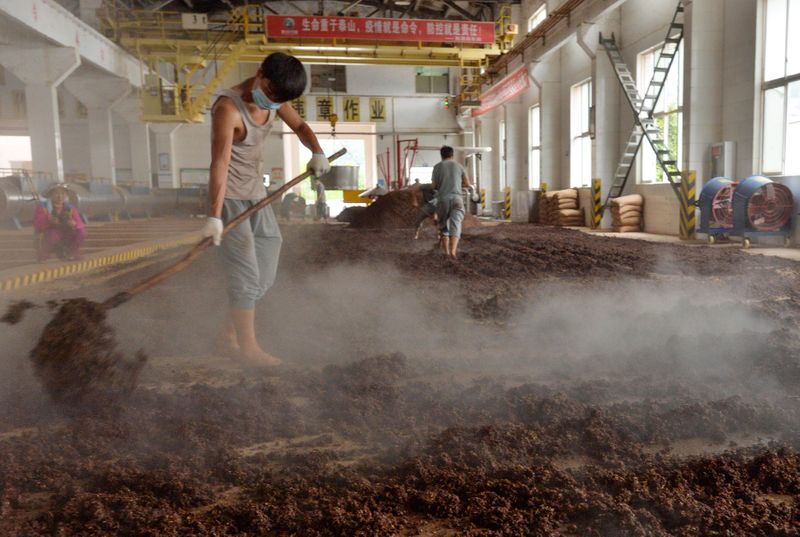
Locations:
187 63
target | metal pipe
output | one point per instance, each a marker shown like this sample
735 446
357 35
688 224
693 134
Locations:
100 200
457 148
390 133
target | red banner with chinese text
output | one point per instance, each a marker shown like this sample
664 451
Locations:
503 91
298 27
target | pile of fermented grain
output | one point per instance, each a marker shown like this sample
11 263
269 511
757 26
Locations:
77 358
626 213
560 208
396 210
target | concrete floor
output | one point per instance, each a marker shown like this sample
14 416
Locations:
792 252
107 244
17 248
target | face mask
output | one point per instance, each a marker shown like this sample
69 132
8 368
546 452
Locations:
262 101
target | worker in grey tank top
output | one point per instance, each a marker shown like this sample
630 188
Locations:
241 118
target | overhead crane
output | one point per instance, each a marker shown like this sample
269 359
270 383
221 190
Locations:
187 59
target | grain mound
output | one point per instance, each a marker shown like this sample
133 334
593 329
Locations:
77 359
396 210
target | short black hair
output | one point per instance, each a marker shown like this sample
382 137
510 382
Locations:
287 74
446 151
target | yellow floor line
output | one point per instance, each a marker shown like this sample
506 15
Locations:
37 275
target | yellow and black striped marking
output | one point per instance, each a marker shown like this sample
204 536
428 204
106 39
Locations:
507 203
597 202
483 199
37 275
688 192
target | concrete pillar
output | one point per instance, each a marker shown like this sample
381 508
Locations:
101 144
100 94
142 169
703 86
547 77
606 146
517 145
139 133
42 69
166 165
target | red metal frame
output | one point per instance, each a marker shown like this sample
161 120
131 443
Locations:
410 148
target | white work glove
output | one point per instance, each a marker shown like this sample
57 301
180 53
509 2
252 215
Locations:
473 195
318 164
213 229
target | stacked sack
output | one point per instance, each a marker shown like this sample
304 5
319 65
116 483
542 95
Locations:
560 208
626 213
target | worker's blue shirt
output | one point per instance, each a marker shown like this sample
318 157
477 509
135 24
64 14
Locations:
447 178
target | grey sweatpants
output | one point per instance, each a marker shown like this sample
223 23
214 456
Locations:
451 214
250 253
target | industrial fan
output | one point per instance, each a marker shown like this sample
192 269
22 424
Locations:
716 207
762 207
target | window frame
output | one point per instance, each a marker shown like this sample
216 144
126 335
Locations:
534 147
785 82
502 136
646 156
541 11
581 137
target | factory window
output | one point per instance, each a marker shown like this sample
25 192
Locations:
781 91
668 113
361 143
421 173
535 138
502 158
432 80
15 154
326 78
580 161
538 16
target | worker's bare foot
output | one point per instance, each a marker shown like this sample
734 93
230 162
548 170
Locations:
225 348
258 358
227 343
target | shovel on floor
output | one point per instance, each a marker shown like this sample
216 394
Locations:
77 355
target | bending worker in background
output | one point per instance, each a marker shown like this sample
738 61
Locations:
428 207
241 118
448 178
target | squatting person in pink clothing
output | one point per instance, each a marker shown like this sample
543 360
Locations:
59 228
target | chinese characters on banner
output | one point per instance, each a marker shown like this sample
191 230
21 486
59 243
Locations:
503 91
377 109
299 105
437 31
352 109
324 108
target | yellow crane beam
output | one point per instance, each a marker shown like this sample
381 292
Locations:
164 43
254 51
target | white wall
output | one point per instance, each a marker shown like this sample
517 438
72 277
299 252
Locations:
576 67
738 90
639 25
643 26
408 115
